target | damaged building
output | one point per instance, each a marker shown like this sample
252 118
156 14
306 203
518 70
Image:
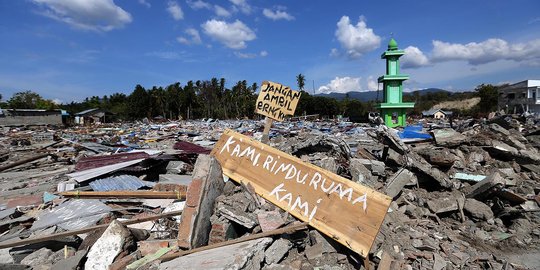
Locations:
521 97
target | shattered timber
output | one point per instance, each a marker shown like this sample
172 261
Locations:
318 195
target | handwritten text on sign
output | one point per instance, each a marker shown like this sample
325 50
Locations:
344 210
276 101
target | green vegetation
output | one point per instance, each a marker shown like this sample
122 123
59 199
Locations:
211 99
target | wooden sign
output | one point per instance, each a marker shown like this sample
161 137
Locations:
276 101
344 210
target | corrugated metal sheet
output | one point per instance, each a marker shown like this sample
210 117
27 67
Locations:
122 182
190 148
72 215
92 162
86 175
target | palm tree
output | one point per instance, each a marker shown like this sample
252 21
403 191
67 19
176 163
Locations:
301 81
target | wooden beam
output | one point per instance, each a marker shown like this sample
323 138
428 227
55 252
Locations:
288 229
23 161
84 230
143 194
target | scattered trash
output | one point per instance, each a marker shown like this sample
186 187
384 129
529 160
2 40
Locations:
152 195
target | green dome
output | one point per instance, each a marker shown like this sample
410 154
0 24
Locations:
392 45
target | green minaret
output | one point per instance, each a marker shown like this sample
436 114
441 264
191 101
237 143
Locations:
393 109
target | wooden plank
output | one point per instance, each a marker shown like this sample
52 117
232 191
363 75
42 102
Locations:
276 100
288 229
145 194
344 210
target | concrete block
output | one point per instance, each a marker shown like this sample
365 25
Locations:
398 181
151 246
179 179
108 246
177 167
238 256
206 185
277 250
270 220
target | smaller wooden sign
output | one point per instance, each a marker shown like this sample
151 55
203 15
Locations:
276 101
342 209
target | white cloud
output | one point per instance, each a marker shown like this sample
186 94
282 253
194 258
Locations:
145 3
175 10
198 4
221 11
486 51
245 55
250 55
334 52
278 14
194 37
233 35
372 84
97 15
414 58
165 55
341 85
242 5
356 40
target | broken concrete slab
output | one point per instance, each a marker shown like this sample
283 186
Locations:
236 256
112 242
5 257
179 179
43 258
70 263
398 181
277 250
177 167
478 210
360 173
420 164
239 216
441 157
206 186
448 137
485 187
270 220
443 205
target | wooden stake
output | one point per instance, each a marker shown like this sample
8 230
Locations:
84 230
143 194
288 229
266 133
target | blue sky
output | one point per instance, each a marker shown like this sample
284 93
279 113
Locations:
71 49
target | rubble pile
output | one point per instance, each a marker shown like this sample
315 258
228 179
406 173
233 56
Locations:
149 196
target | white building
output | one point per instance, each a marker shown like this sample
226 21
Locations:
520 97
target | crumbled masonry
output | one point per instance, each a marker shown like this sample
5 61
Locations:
467 198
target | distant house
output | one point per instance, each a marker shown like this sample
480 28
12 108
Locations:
520 97
436 113
30 117
93 116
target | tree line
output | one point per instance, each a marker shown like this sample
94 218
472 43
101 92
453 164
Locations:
212 99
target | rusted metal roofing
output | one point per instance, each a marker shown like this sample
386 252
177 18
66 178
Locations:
190 148
92 162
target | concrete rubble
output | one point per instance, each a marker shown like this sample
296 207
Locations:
467 198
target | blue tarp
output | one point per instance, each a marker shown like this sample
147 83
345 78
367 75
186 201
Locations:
413 132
